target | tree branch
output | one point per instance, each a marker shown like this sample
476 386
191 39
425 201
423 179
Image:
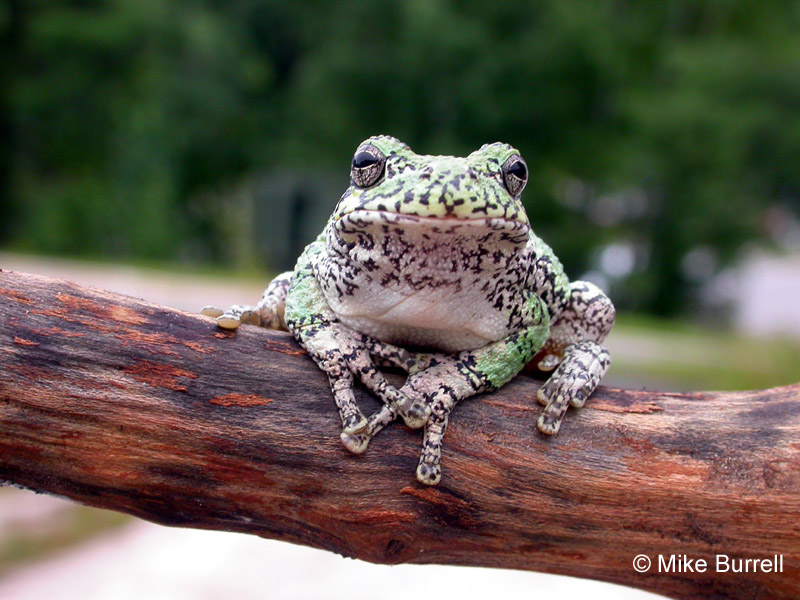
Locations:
139 408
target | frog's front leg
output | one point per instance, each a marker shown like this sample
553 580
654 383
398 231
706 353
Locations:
574 346
338 350
269 312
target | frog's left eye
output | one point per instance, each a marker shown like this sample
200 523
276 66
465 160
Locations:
368 165
515 174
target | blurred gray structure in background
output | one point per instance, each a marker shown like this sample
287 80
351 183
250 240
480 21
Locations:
290 210
761 294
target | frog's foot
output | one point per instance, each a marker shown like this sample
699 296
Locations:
353 420
577 376
234 316
357 442
439 388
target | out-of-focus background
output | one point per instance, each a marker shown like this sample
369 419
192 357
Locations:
186 150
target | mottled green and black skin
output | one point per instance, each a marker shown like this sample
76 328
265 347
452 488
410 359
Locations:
429 263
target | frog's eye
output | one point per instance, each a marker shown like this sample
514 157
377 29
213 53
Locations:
368 164
515 174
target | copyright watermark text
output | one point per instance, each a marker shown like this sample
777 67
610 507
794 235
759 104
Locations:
721 563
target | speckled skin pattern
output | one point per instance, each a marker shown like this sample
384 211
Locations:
429 264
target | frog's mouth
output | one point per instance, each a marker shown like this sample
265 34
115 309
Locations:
365 221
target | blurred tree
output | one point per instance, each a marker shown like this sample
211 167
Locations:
657 134
12 17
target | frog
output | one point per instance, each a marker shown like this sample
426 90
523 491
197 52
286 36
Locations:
430 265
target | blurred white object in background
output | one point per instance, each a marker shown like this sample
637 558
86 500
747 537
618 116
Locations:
763 292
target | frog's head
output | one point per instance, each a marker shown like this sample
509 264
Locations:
425 222
386 177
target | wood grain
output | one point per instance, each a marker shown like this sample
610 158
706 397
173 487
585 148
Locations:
139 408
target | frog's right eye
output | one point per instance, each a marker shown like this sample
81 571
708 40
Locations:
368 165
515 174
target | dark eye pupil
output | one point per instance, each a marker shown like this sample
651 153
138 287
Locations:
362 160
518 170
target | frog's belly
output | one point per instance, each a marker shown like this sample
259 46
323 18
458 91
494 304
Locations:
444 320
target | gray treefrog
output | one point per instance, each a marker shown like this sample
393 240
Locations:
429 264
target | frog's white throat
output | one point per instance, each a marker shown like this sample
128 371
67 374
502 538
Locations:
405 279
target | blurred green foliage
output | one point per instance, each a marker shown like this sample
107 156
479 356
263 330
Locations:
655 132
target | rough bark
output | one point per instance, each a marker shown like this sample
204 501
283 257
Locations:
139 408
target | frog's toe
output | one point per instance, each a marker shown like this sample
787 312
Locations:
353 424
419 362
234 316
356 443
415 413
211 311
549 424
580 395
228 321
561 390
542 396
429 474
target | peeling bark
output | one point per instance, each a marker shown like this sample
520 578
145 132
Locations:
139 408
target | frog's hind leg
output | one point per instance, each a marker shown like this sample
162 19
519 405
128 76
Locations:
269 312
574 350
